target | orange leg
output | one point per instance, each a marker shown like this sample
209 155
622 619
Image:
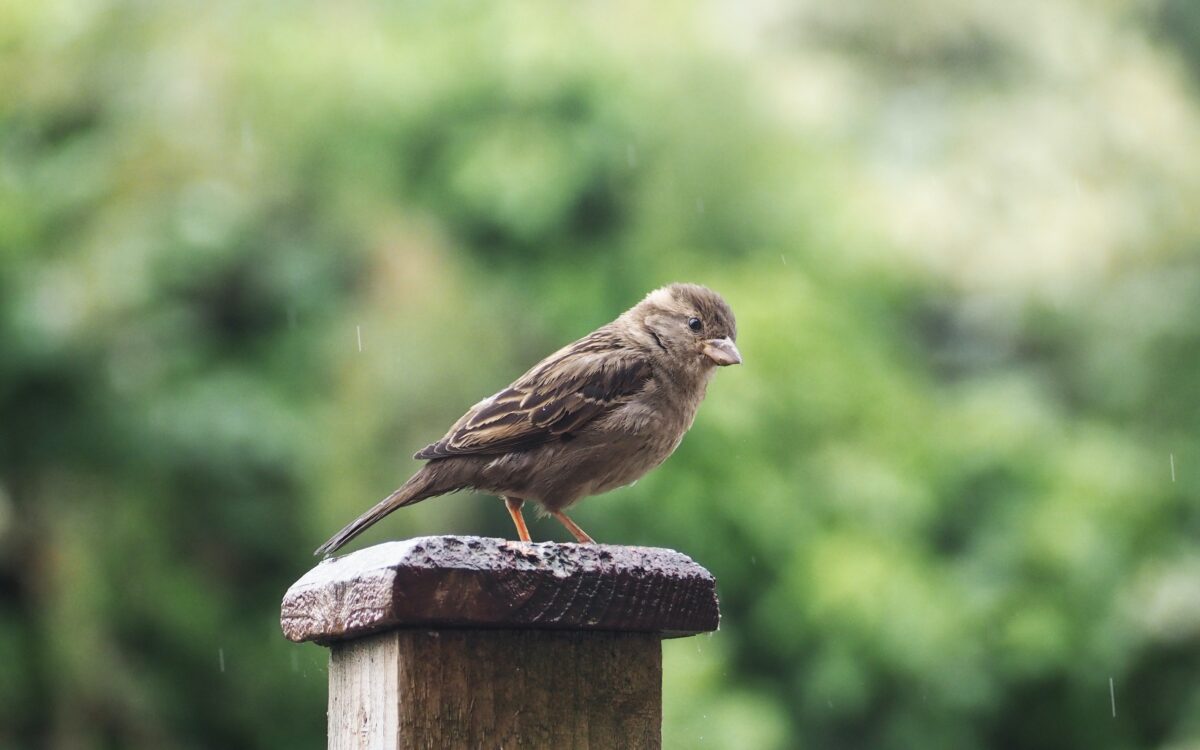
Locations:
573 527
514 509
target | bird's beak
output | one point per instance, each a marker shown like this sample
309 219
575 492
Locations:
722 351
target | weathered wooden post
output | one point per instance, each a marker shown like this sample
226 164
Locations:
447 642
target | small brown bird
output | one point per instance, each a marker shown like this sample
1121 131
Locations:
595 415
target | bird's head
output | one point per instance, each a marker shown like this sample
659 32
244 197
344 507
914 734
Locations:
689 322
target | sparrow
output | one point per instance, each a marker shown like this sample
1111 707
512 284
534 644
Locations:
593 416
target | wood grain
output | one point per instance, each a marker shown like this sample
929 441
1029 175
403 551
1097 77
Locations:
496 689
474 582
363 694
449 642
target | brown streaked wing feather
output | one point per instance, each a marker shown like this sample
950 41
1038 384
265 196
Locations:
560 394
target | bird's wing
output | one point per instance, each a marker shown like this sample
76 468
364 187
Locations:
559 395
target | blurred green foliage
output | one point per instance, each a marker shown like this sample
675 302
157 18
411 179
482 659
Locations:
252 256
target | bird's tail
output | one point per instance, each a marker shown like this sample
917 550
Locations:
420 486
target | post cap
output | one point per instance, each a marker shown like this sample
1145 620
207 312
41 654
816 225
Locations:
476 582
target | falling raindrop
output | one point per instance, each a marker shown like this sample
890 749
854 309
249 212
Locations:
221 659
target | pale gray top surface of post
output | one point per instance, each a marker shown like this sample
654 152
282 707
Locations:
476 582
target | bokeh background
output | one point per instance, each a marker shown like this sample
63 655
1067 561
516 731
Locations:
253 255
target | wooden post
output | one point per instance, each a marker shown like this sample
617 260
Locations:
443 642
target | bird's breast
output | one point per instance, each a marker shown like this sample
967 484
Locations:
613 451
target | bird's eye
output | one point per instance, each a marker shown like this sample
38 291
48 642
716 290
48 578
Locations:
695 324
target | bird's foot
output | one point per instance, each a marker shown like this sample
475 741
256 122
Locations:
580 535
514 509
